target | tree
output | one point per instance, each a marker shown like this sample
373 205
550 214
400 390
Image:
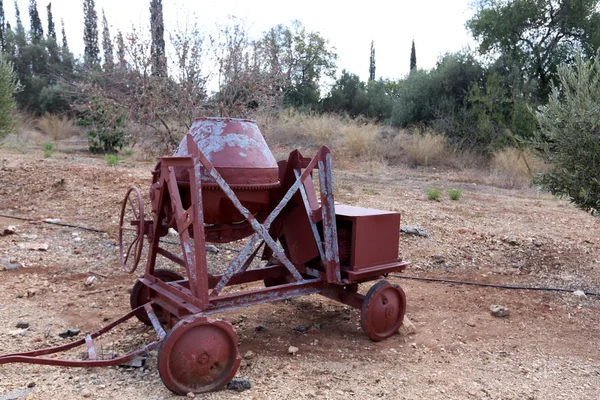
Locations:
121 51
413 57
90 33
372 63
37 32
8 87
569 134
2 28
537 34
107 46
51 28
302 58
65 54
157 31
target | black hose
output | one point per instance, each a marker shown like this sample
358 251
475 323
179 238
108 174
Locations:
490 284
53 223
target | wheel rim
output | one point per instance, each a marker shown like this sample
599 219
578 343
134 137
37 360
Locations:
131 230
383 311
198 355
140 294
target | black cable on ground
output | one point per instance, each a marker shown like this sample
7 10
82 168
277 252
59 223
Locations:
417 278
53 223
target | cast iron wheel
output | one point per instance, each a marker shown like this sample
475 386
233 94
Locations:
382 311
131 230
198 355
140 294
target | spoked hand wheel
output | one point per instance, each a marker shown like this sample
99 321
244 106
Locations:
131 230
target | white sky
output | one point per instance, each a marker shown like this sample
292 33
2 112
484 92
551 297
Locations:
437 26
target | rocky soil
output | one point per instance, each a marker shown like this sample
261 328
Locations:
451 347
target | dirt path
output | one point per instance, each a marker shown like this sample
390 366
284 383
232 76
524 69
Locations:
547 347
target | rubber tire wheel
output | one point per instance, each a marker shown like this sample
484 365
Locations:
140 295
383 310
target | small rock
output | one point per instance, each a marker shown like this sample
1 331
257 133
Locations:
85 393
413 345
462 230
13 266
579 293
438 258
261 328
212 249
69 333
190 394
9 230
239 384
34 246
52 220
18 332
31 292
499 311
90 281
137 362
31 385
407 328
293 350
22 325
249 355
471 323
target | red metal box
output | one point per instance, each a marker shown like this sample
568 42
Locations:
367 237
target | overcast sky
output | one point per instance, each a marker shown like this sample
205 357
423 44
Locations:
437 26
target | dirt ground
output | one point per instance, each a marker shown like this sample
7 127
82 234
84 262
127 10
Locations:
451 348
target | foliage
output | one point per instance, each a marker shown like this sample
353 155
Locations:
56 127
37 32
413 57
8 87
424 148
112 159
157 30
104 123
301 58
569 135
536 34
372 63
433 194
107 46
454 194
90 33
48 149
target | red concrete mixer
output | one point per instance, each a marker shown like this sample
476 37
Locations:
224 185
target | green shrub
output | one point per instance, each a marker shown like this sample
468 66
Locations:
48 149
8 87
129 152
104 122
454 194
112 159
568 135
433 194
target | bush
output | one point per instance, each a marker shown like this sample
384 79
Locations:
512 168
425 148
104 122
48 149
454 194
112 159
433 194
8 87
56 127
569 134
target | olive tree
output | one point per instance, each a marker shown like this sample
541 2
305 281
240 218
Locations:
8 87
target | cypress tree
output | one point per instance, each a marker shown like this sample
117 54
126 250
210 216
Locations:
65 45
413 57
157 30
91 51
372 63
37 32
2 28
51 28
18 14
65 54
107 45
121 51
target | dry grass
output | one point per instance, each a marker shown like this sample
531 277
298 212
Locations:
57 127
514 168
425 148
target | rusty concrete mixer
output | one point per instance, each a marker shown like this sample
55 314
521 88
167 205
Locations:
222 185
